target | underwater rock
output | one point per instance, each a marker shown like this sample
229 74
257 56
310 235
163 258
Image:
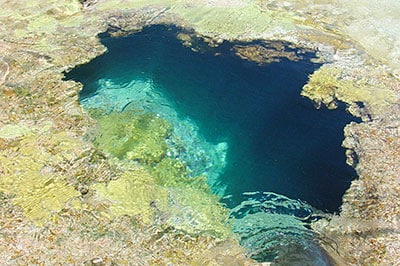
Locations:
197 212
173 173
133 193
180 139
369 215
166 196
275 229
132 136
164 188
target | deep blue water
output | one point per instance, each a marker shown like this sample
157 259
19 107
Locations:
278 141
242 123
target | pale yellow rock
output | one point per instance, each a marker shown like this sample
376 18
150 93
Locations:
13 131
375 25
134 193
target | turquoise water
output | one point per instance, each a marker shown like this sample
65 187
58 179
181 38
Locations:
242 124
275 228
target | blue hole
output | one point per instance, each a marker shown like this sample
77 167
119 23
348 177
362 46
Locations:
242 123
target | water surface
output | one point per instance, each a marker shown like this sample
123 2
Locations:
277 140
242 124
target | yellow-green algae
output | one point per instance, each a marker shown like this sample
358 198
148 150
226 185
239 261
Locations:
161 185
132 136
183 207
134 193
27 171
172 172
326 86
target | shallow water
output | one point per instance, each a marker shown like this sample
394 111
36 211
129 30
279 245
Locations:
243 125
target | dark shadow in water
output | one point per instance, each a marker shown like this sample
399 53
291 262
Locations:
277 140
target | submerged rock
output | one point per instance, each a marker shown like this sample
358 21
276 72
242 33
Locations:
161 189
275 228
128 135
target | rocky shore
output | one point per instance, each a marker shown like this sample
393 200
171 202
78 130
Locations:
50 212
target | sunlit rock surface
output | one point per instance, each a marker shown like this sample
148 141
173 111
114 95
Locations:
39 40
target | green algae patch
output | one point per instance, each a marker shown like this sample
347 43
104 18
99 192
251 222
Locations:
134 193
185 208
133 136
173 173
158 186
327 86
29 174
